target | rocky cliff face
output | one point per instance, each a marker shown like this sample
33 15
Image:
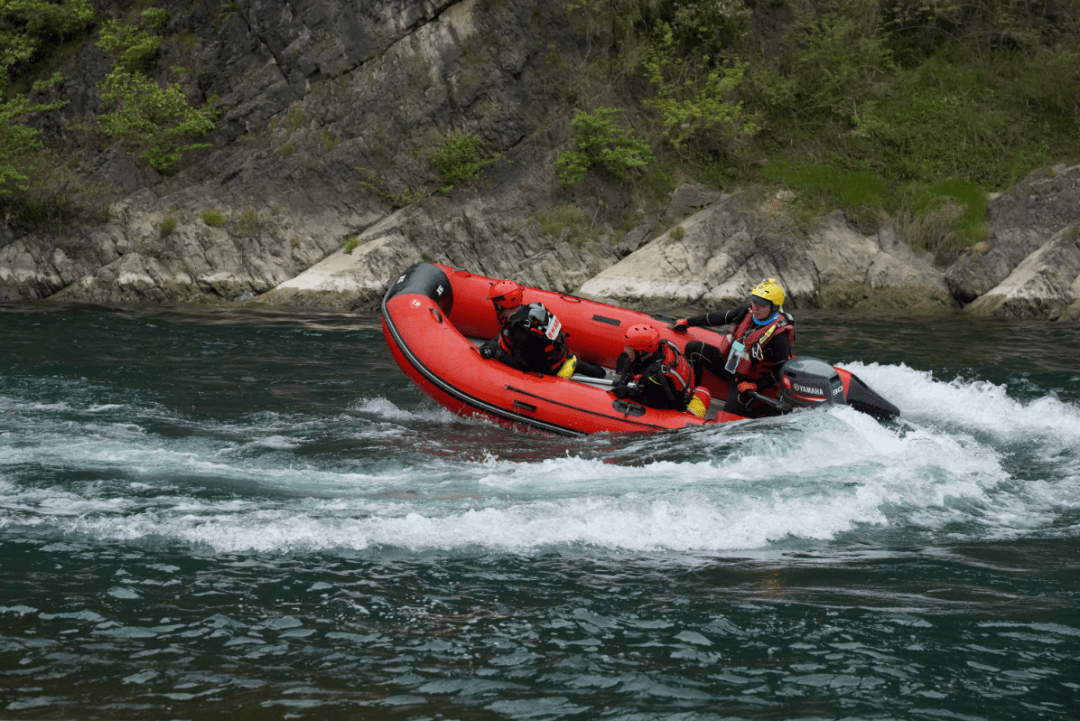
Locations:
331 110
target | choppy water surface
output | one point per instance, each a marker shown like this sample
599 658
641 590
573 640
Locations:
208 514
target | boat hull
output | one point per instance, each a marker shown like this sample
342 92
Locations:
432 313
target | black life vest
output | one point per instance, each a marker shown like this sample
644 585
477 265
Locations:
669 364
533 336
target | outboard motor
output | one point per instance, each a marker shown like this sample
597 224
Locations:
808 382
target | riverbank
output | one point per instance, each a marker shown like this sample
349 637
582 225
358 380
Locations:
331 116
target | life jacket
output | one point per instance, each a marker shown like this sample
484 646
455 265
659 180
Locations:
540 332
742 347
673 366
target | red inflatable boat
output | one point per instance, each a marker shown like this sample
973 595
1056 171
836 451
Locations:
433 314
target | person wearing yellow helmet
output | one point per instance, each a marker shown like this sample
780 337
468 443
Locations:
748 357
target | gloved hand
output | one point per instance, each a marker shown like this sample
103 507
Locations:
745 386
680 325
487 352
621 391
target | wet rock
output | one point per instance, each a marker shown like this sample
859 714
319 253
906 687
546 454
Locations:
1046 284
1021 221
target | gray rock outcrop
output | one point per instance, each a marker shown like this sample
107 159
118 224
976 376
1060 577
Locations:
1046 284
481 239
714 257
331 111
1021 221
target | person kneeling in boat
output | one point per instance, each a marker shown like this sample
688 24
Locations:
655 374
531 338
748 358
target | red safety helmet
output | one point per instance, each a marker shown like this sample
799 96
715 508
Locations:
643 338
505 295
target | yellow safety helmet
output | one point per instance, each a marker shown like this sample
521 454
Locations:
769 290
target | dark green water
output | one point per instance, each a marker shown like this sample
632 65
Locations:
211 514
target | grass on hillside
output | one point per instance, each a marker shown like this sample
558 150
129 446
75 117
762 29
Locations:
857 108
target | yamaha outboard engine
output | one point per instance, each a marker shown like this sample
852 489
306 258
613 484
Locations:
808 382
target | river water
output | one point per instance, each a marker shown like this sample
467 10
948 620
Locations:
221 514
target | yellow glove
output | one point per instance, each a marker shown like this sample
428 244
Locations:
568 367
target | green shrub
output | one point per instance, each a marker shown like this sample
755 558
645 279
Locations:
53 197
351 244
213 218
159 122
566 222
837 64
597 139
228 8
329 141
371 181
295 118
167 226
248 224
17 143
27 27
695 97
135 46
458 160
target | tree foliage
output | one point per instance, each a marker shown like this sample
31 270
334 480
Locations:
865 104
458 159
26 26
159 120
598 140
17 142
135 45
695 96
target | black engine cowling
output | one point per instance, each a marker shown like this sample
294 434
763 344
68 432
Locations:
808 382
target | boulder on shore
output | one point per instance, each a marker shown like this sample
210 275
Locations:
1021 220
1044 285
715 256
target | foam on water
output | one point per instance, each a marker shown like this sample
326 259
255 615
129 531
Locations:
974 405
965 458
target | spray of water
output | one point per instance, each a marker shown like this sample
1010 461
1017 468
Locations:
965 458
